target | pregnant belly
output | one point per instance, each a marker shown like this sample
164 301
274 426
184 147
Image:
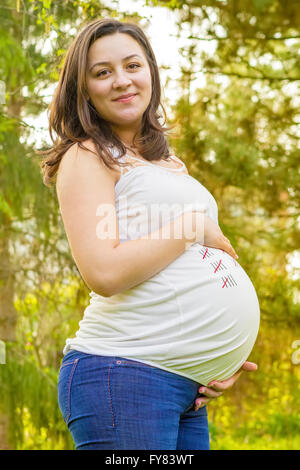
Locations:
219 314
198 317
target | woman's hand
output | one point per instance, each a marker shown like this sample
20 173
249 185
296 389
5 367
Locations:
211 235
214 389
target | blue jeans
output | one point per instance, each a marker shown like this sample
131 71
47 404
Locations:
116 403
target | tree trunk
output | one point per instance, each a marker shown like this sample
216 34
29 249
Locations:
8 317
4 424
8 314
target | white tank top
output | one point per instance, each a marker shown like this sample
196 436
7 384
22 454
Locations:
199 316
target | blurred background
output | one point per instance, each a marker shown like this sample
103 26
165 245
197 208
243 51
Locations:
230 72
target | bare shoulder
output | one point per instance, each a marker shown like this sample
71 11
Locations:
92 151
75 152
114 172
79 157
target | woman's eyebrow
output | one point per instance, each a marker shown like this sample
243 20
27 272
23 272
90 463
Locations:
106 62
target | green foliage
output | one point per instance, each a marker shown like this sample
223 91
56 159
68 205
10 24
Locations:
238 135
28 380
27 388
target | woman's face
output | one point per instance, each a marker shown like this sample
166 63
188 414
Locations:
119 75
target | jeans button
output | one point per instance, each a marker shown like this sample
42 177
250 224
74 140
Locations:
119 362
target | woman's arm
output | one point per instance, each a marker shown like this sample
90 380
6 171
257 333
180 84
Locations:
135 261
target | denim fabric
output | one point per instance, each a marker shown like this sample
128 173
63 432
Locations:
117 403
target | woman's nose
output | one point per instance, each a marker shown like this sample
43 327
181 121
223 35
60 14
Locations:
121 80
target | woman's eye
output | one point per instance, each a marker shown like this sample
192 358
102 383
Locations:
105 70
137 65
100 73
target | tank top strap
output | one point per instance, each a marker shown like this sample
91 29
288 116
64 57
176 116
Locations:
131 157
173 157
176 159
122 167
122 159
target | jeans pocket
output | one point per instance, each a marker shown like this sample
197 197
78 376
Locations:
65 379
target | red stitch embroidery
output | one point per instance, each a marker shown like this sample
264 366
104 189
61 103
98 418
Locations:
218 266
225 282
205 253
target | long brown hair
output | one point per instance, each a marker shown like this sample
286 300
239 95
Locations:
75 119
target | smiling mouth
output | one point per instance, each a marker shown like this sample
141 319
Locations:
125 100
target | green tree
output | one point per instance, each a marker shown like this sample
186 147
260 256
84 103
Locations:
34 35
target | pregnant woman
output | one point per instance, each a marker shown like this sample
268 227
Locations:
171 312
